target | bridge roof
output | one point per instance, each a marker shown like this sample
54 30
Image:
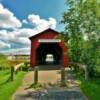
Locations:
45 31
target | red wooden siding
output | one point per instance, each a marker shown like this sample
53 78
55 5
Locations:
48 34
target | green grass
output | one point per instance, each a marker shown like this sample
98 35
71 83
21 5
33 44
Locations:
7 88
91 88
35 86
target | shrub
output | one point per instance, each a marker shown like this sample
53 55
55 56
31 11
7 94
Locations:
0 67
25 66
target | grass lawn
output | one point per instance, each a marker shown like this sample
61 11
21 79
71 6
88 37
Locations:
7 88
91 88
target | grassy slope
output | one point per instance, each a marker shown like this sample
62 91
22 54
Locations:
8 88
91 88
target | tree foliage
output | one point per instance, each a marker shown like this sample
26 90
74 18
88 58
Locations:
2 56
82 27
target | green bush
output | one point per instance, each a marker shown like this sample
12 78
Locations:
25 67
0 67
36 86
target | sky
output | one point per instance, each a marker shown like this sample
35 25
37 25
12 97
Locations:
20 19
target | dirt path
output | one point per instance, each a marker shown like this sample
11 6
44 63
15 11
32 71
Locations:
50 91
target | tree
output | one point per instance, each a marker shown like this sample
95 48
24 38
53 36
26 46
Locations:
82 26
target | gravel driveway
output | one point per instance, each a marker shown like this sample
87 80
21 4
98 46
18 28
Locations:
51 90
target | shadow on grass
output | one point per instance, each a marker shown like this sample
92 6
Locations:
35 86
6 81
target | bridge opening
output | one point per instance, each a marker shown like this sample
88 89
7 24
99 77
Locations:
49 54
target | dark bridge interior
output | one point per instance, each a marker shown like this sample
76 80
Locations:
49 48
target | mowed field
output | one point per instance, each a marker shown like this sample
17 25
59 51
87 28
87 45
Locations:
8 87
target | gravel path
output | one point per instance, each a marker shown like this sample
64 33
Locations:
51 90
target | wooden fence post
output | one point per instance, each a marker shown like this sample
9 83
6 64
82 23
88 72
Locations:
36 75
12 73
86 73
63 82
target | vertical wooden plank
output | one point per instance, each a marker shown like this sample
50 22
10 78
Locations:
12 73
36 75
63 82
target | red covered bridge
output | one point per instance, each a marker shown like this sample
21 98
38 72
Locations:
46 43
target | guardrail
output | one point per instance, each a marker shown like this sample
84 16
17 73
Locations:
83 67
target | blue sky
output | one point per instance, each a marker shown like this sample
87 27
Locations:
19 16
43 8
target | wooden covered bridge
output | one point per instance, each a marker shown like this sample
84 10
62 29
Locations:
45 44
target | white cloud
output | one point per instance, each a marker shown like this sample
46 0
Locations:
6 36
7 19
4 45
23 41
17 51
25 21
21 50
19 36
25 32
3 33
42 24
34 19
1 7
